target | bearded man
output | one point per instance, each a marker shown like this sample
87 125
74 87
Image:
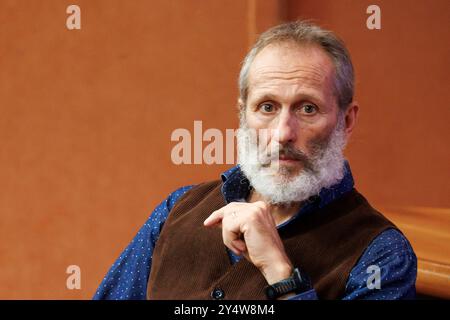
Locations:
286 222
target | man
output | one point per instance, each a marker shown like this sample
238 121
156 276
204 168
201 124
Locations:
286 223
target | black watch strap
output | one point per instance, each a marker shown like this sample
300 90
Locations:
298 282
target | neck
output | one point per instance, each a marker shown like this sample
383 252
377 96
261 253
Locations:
280 212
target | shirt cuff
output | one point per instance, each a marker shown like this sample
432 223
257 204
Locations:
307 295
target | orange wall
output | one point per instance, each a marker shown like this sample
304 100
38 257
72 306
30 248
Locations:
86 116
85 126
399 151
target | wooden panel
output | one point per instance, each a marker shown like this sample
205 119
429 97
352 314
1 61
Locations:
428 230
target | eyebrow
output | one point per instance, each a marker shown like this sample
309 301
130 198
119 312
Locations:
299 97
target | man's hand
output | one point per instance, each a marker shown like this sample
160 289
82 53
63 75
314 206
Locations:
249 229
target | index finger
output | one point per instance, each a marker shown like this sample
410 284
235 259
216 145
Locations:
215 218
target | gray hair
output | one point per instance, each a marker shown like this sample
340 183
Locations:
304 32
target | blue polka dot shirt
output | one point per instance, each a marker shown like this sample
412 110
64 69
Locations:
390 251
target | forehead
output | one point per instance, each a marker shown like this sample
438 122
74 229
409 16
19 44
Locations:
293 66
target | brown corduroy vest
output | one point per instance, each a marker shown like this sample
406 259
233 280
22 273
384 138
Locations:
190 260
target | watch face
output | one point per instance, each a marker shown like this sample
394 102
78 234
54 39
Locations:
302 281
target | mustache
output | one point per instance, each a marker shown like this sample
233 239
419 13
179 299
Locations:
291 152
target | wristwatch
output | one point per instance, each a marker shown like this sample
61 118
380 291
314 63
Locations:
298 282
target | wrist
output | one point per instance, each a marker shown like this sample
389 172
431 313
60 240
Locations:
277 272
297 283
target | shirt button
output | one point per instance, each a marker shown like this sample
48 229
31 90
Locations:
217 294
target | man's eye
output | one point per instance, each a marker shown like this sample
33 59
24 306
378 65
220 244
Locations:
309 108
267 107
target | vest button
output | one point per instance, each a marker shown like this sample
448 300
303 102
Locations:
217 294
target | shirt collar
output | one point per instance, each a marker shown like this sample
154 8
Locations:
236 186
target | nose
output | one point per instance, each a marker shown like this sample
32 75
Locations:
286 128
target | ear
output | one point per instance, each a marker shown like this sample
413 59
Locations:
241 105
351 115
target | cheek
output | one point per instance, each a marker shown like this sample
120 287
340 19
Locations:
311 134
261 128
255 121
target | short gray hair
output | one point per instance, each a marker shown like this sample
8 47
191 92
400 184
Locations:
304 32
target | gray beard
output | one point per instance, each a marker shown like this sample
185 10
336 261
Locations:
278 186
